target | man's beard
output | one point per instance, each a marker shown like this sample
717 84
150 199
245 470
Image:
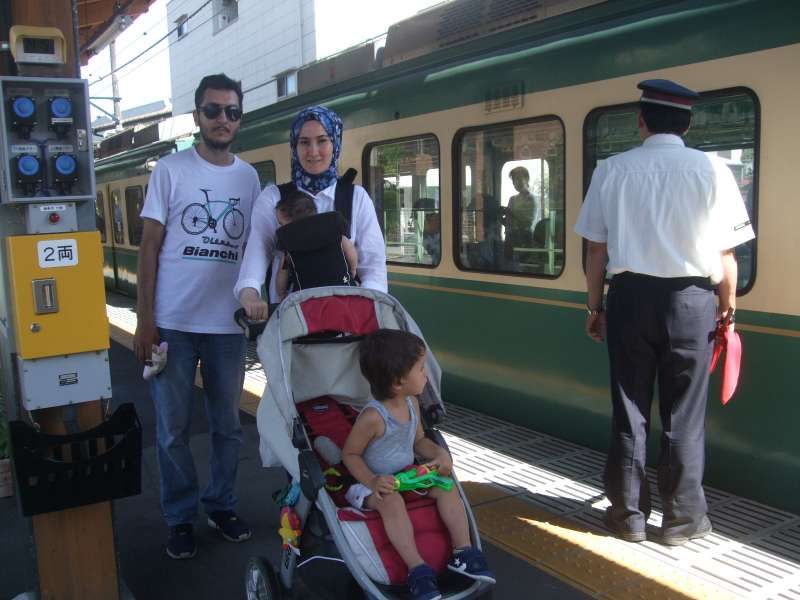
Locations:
214 144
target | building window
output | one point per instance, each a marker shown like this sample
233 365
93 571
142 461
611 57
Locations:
182 25
724 124
266 172
134 200
287 84
403 181
225 13
100 216
511 197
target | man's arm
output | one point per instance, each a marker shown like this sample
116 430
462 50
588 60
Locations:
727 287
146 333
596 261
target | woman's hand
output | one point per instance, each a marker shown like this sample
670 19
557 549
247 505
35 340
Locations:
255 308
382 484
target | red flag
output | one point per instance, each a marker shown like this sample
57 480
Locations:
729 342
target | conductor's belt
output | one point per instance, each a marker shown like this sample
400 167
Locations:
629 279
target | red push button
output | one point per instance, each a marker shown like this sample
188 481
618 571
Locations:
54 217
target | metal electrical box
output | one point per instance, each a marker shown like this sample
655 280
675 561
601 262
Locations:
60 322
46 154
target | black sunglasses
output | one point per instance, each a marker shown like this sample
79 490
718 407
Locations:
212 111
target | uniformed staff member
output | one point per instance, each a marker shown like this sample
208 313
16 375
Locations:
662 221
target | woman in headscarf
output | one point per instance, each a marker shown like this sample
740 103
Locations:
316 143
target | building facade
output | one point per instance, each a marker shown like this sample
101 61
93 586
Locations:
262 43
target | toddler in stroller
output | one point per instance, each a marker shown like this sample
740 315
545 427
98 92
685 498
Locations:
385 439
310 351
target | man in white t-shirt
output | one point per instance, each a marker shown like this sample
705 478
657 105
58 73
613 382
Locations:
196 219
662 220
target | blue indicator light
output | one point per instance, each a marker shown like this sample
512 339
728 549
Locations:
61 108
24 107
28 165
65 165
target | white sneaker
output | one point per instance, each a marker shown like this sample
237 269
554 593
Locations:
157 362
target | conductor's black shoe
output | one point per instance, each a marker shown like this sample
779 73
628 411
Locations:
623 533
678 539
229 525
181 543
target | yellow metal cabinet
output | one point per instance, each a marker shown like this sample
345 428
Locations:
58 294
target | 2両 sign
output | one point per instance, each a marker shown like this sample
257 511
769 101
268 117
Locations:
57 253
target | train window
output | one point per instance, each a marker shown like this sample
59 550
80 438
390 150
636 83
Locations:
511 197
403 181
100 216
724 123
266 172
134 199
116 213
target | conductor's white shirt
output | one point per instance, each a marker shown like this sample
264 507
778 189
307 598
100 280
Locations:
364 231
664 210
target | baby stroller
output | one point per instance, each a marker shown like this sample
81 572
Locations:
309 351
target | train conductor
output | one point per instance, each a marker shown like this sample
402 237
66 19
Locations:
661 220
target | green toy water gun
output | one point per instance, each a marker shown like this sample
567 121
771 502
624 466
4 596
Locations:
421 477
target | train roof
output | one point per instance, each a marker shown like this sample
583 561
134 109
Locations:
602 41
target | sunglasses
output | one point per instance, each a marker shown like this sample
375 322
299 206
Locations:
212 111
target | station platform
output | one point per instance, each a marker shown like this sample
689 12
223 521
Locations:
538 501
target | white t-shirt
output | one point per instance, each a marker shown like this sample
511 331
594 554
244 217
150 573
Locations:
365 233
206 210
664 210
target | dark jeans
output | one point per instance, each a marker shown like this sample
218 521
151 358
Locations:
658 328
222 367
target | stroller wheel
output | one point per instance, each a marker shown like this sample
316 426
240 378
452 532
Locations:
260 581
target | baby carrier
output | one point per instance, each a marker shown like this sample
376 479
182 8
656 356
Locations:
312 245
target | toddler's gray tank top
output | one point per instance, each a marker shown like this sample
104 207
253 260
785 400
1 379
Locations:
394 450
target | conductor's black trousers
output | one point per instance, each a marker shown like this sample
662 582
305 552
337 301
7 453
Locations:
659 329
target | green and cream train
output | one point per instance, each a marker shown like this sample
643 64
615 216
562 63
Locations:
435 138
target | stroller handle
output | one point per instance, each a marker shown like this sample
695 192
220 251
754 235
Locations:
252 329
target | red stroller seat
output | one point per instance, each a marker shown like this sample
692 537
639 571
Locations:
364 528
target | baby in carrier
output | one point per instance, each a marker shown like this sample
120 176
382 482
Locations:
316 248
384 440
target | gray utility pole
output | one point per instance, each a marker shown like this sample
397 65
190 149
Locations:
112 52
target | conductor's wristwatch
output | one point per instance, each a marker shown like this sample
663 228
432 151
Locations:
594 311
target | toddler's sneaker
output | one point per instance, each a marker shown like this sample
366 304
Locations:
472 563
157 361
422 583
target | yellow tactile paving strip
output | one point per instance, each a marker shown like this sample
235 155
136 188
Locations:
596 563
580 554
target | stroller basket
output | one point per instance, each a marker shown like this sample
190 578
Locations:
55 472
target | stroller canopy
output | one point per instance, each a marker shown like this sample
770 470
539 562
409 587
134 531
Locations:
301 366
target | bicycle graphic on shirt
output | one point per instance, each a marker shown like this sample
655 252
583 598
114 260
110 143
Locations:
196 217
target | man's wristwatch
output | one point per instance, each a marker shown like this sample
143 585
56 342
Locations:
594 311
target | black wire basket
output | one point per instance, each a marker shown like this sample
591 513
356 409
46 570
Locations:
55 472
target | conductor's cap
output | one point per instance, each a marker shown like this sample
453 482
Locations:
667 93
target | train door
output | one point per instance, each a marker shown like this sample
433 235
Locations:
117 237
128 260
103 226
